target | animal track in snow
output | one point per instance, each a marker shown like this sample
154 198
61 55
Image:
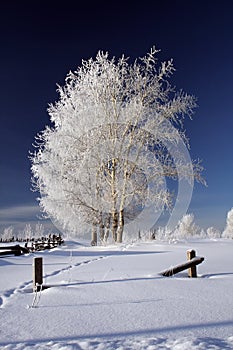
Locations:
23 286
79 264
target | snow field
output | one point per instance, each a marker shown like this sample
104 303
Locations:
114 298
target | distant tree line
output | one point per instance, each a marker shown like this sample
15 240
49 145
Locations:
27 234
186 228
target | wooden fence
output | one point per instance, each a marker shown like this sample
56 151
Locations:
13 250
31 246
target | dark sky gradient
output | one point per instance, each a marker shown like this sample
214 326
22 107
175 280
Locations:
41 41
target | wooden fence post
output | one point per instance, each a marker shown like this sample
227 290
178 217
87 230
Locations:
37 272
192 271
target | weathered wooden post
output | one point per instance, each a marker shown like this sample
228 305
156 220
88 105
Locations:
192 271
37 272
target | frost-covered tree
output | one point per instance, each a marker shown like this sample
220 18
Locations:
228 232
106 156
212 232
7 234
39 231
27 232
186 227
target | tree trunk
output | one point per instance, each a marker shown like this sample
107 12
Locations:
94 235
107 227
121 222
114 224
101 227
120 226
114 213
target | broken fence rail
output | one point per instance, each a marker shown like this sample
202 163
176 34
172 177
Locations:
190 264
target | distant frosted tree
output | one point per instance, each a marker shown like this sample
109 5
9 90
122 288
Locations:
27 232
7 234
186 227
228 232
39 230
105 156
212 232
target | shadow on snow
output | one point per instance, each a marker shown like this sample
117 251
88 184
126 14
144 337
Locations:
139 333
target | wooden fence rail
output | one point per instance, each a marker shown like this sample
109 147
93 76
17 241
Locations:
191 264
13 249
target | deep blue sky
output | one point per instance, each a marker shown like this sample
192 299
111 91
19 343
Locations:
41 41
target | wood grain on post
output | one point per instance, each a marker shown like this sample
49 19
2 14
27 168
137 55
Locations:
192 271
37 272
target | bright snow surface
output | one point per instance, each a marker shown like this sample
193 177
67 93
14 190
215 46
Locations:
114 297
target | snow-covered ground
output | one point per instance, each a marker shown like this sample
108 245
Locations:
115 298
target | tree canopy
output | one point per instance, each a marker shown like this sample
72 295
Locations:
116 136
